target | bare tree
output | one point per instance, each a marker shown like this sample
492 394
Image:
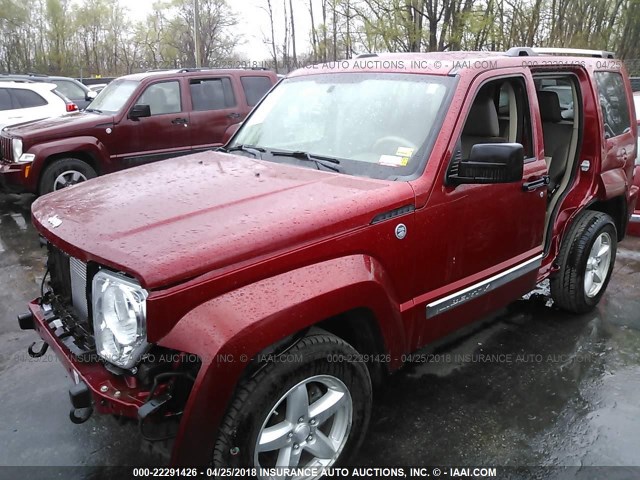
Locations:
272 40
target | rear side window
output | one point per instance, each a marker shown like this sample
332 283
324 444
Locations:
613 101
27 99
69 89
212 94
5 99
255 88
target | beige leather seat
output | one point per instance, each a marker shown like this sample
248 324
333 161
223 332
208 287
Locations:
482 125
557 134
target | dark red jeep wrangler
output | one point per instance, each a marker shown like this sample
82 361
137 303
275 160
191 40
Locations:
136 119
363 210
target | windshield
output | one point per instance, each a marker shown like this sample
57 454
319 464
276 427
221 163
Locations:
377 124
113 97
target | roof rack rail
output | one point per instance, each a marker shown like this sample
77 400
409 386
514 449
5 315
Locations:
579 52
574 51
520 52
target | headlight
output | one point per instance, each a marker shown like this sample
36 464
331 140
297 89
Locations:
119 318
16 145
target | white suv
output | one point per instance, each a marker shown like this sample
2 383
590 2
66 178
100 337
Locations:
21 102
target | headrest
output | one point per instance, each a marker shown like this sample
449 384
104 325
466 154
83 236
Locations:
483 119
550 110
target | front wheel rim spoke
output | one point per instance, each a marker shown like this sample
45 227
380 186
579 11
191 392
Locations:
325 407
288 457
596 247
275 437
321 446
298 404
604 249
588 282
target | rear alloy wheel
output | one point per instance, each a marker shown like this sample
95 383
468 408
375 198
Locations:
64 173
586 260
598 265
308 410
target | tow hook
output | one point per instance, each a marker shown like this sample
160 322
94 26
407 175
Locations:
25 320
80 397
43 349
80 415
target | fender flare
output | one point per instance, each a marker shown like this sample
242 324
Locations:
614 183
85 144
230 330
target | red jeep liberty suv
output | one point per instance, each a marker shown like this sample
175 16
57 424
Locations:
363 210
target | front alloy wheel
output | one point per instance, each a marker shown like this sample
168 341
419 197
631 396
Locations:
310 409
68 178
317 416
63 173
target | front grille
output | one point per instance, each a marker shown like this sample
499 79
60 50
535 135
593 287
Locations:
6 151
78 272
69 296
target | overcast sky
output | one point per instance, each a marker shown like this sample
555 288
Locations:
253 23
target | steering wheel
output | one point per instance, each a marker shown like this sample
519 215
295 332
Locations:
398 141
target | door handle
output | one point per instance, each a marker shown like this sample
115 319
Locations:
532 185
234 115
180 121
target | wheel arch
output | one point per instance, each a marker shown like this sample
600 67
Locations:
87 149
616 208
83 155
348 297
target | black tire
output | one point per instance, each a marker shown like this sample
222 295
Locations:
51 173
568 284
256 396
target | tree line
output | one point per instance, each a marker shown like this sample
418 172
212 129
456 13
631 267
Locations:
98 37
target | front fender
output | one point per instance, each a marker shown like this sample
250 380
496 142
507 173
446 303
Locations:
228 331
84 144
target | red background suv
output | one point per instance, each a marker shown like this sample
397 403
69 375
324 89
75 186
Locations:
136 119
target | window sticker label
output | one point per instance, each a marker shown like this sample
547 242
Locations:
404 152
393 161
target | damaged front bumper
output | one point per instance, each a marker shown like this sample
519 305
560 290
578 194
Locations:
156 390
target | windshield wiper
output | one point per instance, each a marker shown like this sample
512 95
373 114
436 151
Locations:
92 110
327 162
253 150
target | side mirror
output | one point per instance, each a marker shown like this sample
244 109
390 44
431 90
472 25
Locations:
490 163
91 95
139 111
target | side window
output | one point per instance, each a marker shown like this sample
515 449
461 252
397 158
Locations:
212 94
5 99
613 101
500 113
255 88
162 98
27 98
